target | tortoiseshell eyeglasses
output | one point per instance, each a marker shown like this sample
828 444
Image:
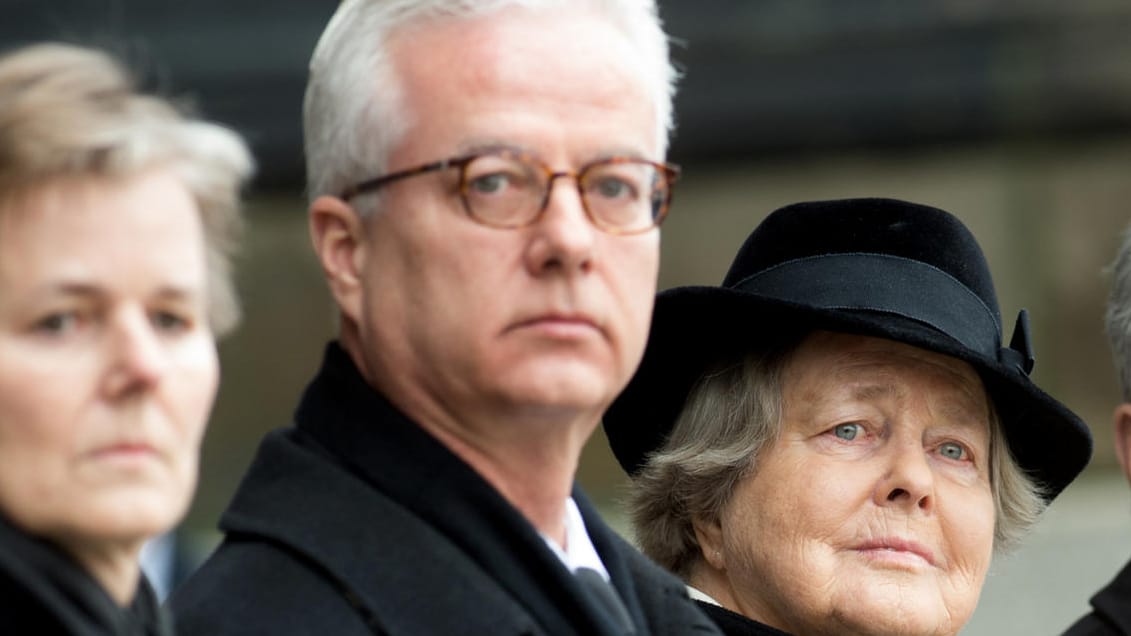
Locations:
509 189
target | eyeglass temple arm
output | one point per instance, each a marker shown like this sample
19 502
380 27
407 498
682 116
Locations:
383 180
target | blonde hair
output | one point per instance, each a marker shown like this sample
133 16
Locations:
68 111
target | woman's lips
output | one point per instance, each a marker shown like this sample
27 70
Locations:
897 550
125 452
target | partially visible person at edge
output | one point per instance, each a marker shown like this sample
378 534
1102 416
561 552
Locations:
1111 606
835 441
487 186
117 217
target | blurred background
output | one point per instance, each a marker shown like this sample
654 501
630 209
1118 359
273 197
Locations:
1015 116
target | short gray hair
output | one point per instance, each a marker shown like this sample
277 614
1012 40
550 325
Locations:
354 111
733 414
1117 319
68 111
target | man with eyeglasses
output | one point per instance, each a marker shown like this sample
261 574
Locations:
487 184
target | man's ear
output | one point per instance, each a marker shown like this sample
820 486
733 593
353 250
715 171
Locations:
1122 430
338 235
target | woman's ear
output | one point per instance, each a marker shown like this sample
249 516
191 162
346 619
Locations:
709 534
338 235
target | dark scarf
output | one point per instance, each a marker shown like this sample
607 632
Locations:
46 592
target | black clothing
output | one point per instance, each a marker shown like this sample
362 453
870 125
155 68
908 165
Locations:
356 521
43 591
734 624
1111 610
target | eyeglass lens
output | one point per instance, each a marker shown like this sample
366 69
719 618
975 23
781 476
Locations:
509 191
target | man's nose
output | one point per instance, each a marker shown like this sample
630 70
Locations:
563 237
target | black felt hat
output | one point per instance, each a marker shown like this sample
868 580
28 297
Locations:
876 267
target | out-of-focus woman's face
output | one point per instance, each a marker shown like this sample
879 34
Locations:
873 513
108 367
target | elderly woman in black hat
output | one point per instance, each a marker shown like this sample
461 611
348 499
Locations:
835 441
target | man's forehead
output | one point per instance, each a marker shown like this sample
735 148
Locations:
506 94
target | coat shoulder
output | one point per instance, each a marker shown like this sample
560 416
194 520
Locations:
285 568
663 598
1092 625
252 588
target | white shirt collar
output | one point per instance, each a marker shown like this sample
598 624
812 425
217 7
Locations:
579 552
697 595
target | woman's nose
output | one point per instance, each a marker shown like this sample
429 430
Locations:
136 356
908 480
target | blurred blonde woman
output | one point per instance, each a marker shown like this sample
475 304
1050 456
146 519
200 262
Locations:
117 217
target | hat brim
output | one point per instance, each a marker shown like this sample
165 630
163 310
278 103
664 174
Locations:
696 327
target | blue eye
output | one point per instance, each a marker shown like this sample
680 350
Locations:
951 450
489 184
847 432
612 188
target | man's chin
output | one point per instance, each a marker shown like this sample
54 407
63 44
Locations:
565 390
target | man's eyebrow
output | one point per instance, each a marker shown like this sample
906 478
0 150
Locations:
487 145
632 153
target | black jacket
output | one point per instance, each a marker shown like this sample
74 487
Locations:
43 591
1111 610
356 522
734 624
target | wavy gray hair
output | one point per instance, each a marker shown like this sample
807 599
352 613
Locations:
1117 319
730 417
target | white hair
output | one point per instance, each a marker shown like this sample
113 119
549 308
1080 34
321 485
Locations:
354 109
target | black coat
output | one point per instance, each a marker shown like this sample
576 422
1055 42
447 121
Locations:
43 591
733 624
358 522
1111 610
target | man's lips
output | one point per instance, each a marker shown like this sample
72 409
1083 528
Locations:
564 322
897 546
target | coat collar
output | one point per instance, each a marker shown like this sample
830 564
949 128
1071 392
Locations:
1113 602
